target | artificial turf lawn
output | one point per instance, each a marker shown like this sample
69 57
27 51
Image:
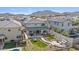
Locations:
38 43
8 45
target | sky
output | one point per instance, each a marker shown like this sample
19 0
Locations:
29 10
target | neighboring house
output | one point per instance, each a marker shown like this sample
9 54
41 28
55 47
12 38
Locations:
36 27
63 23
69 25
10 30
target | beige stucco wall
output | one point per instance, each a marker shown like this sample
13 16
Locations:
11 35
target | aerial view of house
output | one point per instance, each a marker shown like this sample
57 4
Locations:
41 29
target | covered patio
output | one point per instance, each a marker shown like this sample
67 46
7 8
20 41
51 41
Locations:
38 32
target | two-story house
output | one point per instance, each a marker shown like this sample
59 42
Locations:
10 30
36 27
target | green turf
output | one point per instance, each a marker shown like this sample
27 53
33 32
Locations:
38 43
9 45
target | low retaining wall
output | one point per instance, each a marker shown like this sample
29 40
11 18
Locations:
61 37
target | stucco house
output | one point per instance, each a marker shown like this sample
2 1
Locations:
36 27
65 24
10 30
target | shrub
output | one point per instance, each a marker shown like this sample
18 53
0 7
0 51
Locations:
57 30
51 37
75 22
65 33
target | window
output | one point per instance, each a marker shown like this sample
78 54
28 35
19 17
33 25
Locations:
5 38
7 19
12 40
35 24
68 24
62 24
42 24
18 36
38 32
9 30
57 23
30 31
54 22
68 19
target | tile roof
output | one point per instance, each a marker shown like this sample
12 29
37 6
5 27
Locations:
9 23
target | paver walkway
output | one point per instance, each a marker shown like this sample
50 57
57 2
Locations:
53 43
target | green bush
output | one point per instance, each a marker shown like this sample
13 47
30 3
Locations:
75 22
50 37
65 33
57 30
72 49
